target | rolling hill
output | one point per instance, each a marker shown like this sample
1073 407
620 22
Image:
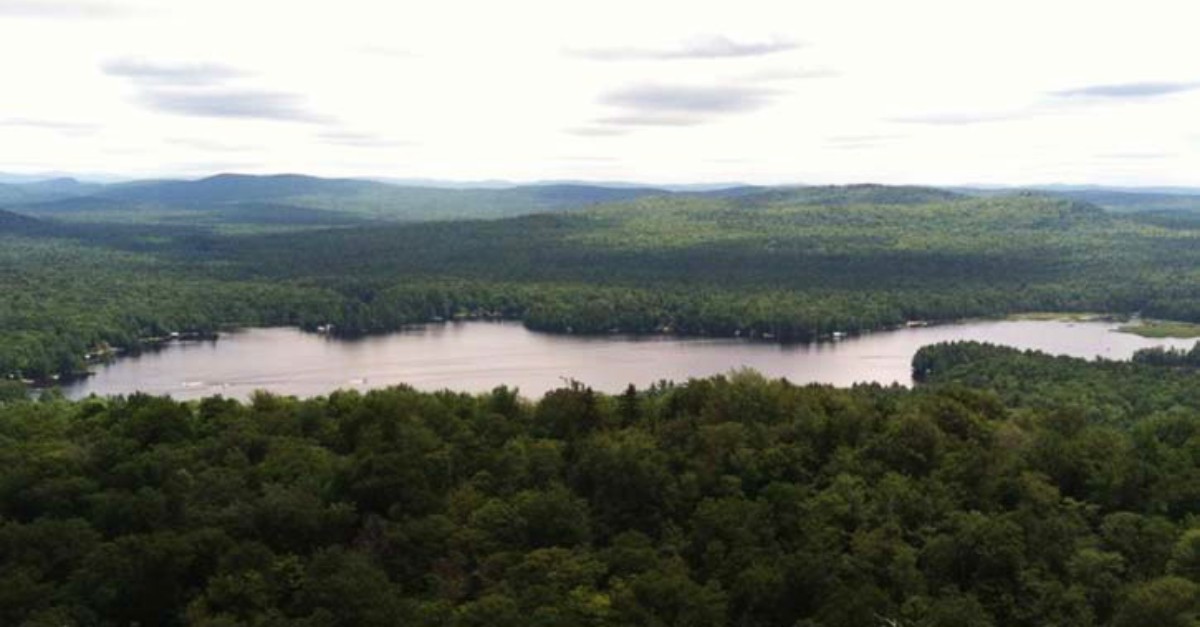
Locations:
1115 199
291 202
1126 201
785 264
15 223
45 191
369 198
242 200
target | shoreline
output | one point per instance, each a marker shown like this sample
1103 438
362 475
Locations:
1131 324
1163 329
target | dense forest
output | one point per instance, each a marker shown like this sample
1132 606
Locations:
789 264
1008 488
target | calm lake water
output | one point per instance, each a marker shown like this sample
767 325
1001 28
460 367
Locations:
477 356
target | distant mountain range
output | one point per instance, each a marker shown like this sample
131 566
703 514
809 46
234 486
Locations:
276 198
294 200
1122 199
11 178
16 223
1174 191
45 189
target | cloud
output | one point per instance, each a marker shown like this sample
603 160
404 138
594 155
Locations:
170 73
232 103
361 140
681 105
73 128
1090 94
651 119
689 98
1128 90
60 9
195 89
960 118
705 47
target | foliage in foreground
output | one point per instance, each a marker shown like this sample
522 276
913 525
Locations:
1020 499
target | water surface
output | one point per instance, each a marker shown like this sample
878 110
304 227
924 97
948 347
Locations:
478 356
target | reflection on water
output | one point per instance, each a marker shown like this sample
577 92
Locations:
477 356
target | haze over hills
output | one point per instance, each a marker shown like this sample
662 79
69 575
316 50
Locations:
16 223
296 201
506 184
277 199
110 179
1135 200
45 190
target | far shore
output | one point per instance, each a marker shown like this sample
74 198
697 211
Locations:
1159 329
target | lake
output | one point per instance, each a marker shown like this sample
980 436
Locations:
477 356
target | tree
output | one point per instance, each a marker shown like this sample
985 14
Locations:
1162 602
1185 558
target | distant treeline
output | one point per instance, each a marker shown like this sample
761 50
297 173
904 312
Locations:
786 265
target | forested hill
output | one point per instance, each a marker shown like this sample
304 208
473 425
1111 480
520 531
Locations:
309 190
1117 199
234 202
990 495
785 265
46 190
1116 393
12 223
839 195
1132 202
237 200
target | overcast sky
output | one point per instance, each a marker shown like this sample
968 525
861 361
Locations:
918 91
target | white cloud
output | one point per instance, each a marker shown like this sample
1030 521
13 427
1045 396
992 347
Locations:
927 91
156 72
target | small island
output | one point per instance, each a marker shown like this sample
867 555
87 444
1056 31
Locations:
1162 329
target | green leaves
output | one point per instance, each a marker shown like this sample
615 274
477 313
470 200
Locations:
1046 499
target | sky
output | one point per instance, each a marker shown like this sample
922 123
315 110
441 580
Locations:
921 91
